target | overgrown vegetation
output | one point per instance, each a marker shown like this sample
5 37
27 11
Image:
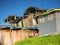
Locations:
45 40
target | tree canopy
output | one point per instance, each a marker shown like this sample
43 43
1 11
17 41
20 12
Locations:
31 10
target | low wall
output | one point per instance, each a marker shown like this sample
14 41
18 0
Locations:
8 37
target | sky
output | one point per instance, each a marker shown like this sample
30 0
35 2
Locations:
18 7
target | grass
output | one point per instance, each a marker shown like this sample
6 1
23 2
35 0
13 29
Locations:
45 40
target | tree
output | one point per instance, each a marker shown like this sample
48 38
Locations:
31 10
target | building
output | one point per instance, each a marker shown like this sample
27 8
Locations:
12 19
27 21
20 28
28 18
49 22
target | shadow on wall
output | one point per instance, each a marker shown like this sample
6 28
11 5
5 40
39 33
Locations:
1 43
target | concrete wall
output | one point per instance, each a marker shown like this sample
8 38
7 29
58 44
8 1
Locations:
57 14
16 35
8 37
47 27
1 37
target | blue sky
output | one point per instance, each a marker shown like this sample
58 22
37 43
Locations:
17 7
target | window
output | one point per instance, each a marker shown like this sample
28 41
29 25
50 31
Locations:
50 17
42 20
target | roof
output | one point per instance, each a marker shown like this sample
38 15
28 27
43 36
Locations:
30 28
18 28
9 27
47 12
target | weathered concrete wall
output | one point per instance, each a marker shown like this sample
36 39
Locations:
47 27
1 37
16 35
31 33
57 14
8 37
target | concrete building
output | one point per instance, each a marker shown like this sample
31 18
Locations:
28 18
27 21
49 22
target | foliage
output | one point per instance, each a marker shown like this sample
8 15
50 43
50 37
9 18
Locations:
31 10
44 40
